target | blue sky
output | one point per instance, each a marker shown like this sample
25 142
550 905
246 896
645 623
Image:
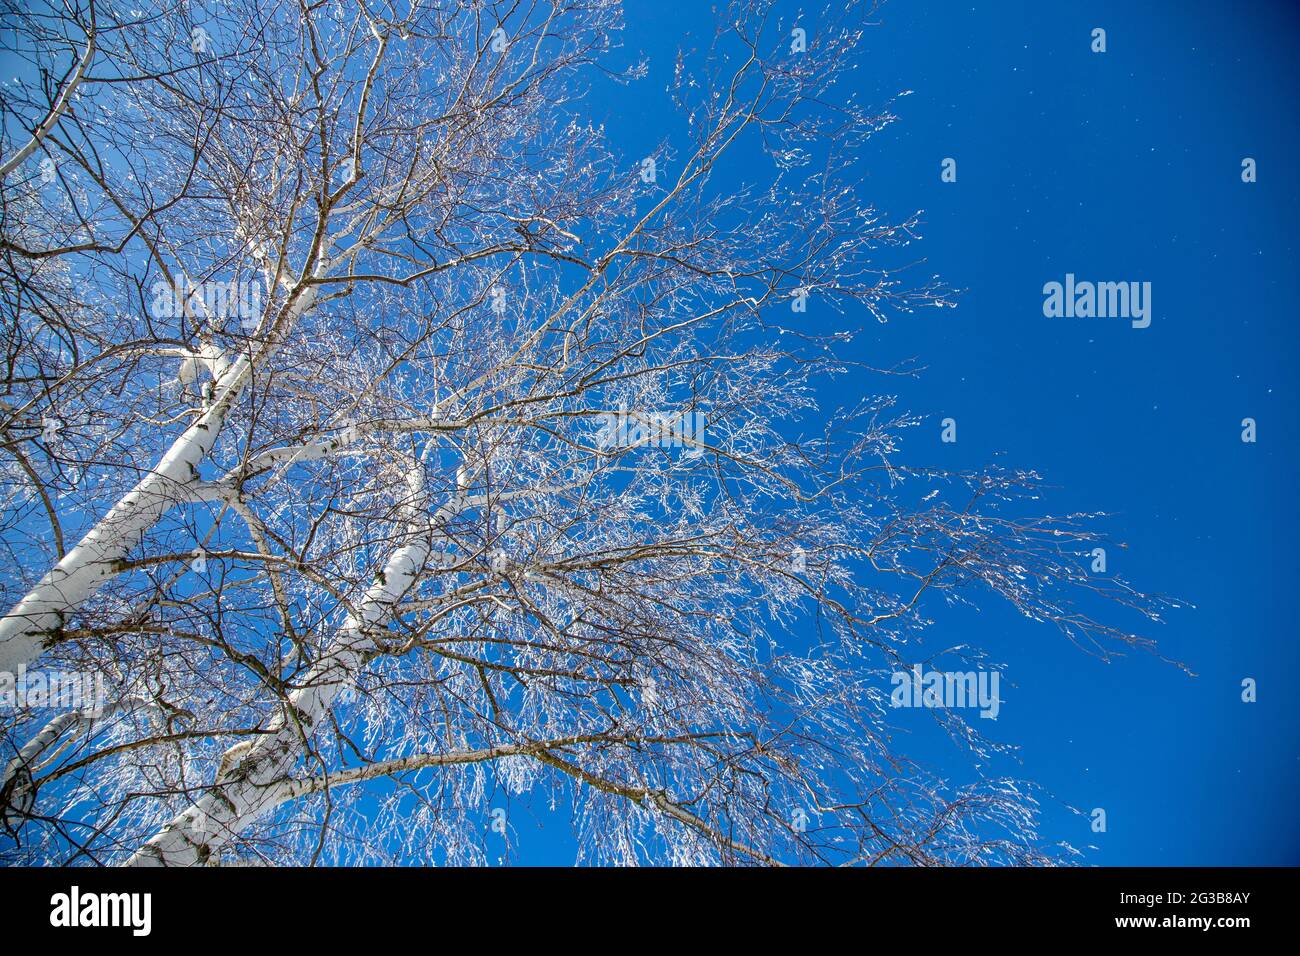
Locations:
1118 166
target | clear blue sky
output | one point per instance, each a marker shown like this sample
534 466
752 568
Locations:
1116 166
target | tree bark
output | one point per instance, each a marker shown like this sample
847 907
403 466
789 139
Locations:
84 569
251 790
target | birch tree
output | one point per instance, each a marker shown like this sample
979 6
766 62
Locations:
381 437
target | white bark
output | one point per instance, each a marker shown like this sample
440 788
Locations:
251 791
35 749
60 104
84 569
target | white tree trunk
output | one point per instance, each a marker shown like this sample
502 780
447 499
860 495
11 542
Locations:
250 792
85 568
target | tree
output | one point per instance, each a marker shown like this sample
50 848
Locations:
410 434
